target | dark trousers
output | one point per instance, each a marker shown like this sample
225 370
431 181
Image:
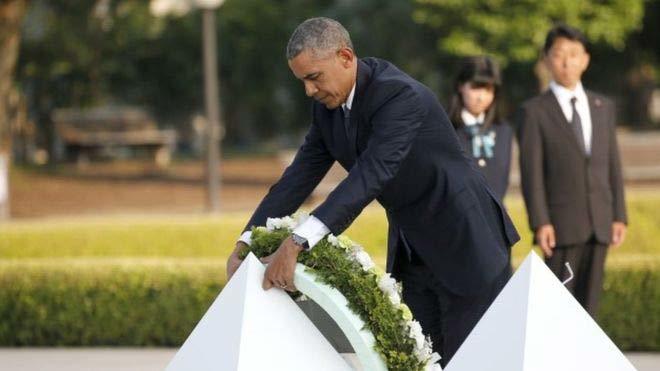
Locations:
446 317
587 260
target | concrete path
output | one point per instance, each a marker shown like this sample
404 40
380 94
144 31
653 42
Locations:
148 359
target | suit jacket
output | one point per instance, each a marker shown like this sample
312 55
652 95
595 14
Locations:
580 195
497 168
407 156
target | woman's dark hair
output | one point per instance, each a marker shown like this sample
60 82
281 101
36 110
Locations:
480 71
567 32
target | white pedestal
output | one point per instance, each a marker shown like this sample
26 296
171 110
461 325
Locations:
535 324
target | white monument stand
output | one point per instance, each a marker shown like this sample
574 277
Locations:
247 328
535 324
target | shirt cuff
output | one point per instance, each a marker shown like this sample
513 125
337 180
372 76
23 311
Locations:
313 230
246 238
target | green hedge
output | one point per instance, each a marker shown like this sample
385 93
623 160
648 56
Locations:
157 303
126 303
630 307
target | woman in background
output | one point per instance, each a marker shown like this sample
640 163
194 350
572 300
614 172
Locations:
473 111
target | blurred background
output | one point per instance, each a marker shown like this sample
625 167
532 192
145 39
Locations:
109 95
116 217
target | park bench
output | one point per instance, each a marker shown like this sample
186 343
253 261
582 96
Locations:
111 132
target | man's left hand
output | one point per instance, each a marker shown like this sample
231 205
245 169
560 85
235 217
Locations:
618 233
281 266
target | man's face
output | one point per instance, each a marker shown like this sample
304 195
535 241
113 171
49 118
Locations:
567 60
329 78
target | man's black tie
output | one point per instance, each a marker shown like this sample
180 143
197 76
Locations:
576 123
347 122
351 131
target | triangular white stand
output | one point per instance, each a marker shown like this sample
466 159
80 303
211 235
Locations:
247 328
535 324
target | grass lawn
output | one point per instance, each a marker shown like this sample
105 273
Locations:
179 238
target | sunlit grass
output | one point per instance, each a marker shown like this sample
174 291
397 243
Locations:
200 237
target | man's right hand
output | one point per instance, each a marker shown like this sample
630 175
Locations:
545 237
233 262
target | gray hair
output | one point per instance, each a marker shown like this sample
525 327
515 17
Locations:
318 35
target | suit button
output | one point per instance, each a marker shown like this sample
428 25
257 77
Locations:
482 162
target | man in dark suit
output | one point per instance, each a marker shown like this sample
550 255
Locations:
571 175
448 234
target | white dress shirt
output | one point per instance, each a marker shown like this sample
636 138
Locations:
312 229
564 96
349 101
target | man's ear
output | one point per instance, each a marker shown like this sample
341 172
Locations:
545 59
346 56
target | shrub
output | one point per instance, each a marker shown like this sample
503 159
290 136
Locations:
135 302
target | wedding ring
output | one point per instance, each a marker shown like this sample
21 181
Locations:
283 286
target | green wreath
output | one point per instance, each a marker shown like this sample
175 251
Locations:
371 293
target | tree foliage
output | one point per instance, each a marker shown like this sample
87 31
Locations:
513 31
85 53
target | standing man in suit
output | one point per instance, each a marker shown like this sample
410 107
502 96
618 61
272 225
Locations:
570 169
448 233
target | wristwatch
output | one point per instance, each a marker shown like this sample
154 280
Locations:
300 241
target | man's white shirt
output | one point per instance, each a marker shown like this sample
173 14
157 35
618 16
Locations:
312 229
564 96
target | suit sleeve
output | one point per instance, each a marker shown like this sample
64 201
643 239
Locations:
311 163
616 178
394 127
532 168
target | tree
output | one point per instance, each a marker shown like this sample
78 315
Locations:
514 31
11 15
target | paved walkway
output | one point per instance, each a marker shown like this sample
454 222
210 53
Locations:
147 359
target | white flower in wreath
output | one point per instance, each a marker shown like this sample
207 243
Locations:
364 259
423 354
426 352
432 364
333 240
407 314
345 242
289 223
341 242
394 298
389 287
273 224
415 332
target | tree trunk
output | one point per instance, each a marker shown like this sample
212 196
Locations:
11 16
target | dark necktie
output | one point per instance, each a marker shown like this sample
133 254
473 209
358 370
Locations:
347 121
350 131
576 123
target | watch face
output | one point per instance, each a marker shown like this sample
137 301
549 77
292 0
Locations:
301 241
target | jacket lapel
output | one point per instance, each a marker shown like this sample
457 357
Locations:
364 73
554 109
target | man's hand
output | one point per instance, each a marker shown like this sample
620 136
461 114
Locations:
618 234
545 237
233 262
281 266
